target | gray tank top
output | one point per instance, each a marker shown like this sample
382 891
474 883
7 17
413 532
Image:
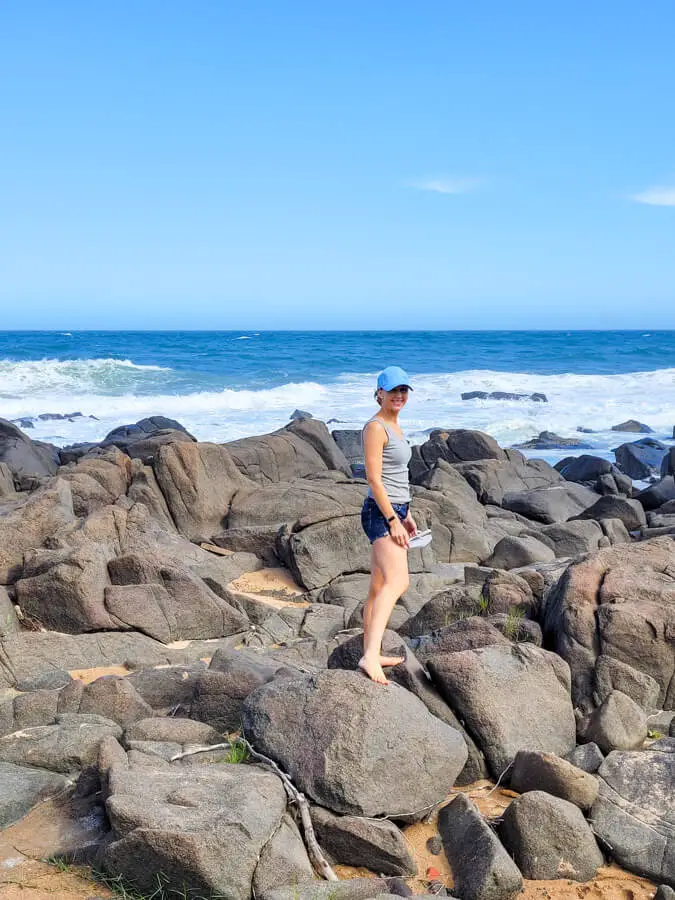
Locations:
396 455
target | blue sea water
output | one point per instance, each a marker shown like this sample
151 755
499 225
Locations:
224 385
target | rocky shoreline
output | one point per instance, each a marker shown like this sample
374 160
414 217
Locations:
159 596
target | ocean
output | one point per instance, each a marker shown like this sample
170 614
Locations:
227 385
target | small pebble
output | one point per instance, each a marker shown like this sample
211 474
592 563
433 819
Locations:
435 845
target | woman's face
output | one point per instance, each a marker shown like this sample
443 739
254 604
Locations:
394 400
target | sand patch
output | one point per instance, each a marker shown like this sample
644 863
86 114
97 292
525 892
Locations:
34 880
273 586
89 675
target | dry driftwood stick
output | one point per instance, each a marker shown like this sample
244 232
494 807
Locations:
315 853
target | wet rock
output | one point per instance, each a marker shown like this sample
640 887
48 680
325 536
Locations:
658 494
549 838
23 456
632 425
548 440
641 459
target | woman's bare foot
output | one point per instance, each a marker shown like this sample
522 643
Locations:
391 660
373 670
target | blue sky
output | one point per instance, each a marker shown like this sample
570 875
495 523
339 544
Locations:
292 164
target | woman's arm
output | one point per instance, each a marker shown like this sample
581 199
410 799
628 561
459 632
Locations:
374 439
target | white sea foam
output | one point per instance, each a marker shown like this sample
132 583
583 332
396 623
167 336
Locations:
118 392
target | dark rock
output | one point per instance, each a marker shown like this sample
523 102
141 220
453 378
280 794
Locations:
510 698
435 845
617 724
583 468
548 440
354 841
124 435
634 426
326 730
481 867
465 634
22 787
658 494
492 478
24 456
630 512
668 463
171 729
300 414
503 395
475 395
442 609
633 814
535 771
220 692
588 757
551 504
572 538
517 628
642 458
549 838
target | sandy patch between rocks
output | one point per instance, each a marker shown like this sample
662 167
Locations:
611 882
274 586
89 675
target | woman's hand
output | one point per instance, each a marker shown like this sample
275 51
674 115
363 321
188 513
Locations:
410 525
398 533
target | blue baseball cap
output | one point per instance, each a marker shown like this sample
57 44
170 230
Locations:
393 376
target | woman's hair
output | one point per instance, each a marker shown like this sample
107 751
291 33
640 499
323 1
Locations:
377 396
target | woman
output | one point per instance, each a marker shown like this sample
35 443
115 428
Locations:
385 517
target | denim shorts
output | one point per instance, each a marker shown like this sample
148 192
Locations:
374 523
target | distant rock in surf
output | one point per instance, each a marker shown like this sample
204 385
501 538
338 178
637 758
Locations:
632 425
301 414
503 395
549 440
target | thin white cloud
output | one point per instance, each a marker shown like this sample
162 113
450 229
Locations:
447 185
661 195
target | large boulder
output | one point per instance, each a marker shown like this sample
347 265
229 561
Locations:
481 867
572 538
125 436
30 523
549 838
641 459
658 494
304 447
585 468
535 771
633 815
514 552
456 446
354 746
207 829
24 456
553 504
630 512
617 724
511 698
198 482
66 747
492 478
668 463
632 426
98 480
617 602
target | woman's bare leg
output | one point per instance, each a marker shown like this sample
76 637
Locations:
376 583
392 561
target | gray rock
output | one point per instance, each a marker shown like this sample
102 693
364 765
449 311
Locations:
513 552
551 504
534 771
220 692
481 867
22 787
114 698
465 634
630 512
641 459
327 730
492 478
350 889
617 724
588 757
356 841
549 440
633 814
24 456
573 538
441 610
64 747
172 729
204 827
9 623
584 468
283 860
35 708
549 838
663 892
658 495
511 698
169 688
668 464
